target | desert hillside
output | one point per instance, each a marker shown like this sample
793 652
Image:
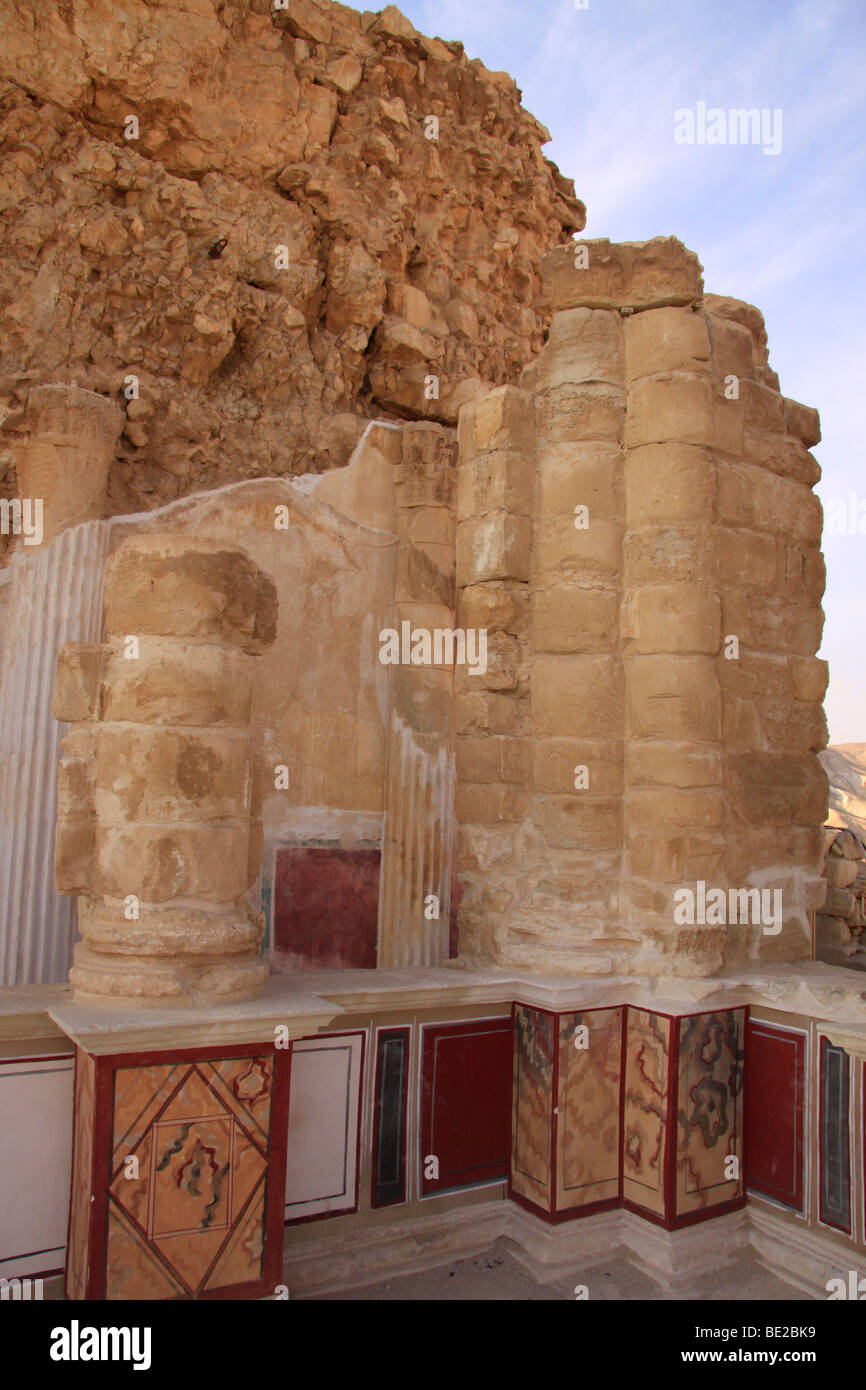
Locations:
845 765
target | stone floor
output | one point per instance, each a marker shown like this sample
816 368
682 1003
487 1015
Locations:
498 1276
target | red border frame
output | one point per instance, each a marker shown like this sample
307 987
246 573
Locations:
398 1201
105 1068
343 1211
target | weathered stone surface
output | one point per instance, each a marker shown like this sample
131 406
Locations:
634 274
583 345
668 694
165 774
733 347
159 864
71 436
670 408
259 128
153 815
569 822
570 618
665 340
497 546
677 618
558 763
802 421
841 873
501 419
581 413
669 482
175 683
770 789
746 315
504 480
673 764
576 696
579 475
809 676
172 586
78 683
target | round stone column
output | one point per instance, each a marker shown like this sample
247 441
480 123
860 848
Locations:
156 807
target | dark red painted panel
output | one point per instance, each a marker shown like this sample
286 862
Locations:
326 908
466 1102
774 1095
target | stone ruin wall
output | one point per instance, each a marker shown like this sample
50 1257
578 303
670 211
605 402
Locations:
653 407
840 927
259 128
606 644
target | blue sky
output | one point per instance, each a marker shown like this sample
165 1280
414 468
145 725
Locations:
786 232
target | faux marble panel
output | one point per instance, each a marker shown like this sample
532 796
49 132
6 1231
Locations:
710 1110
532 1104
588 1130
188 1167
645 1109
172 1160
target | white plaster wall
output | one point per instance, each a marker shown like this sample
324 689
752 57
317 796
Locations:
35 1163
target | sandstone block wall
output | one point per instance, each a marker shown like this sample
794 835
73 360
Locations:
159 830
663 711
841 921
305 128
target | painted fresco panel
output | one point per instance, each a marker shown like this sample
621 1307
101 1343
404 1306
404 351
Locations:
326 908
188 1167
710 1110
35 1162
465 1095
324 1115
532 1106
588 1131
645 1109
774 1111
834 1205
389 1116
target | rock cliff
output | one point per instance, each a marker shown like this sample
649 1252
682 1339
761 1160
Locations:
255 227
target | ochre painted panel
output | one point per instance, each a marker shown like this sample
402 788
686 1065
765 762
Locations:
588 1129
532 1106
645 1109
710 1110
